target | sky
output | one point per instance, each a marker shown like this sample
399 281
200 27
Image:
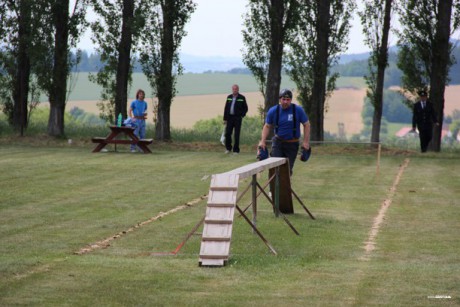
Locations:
216 25
215 30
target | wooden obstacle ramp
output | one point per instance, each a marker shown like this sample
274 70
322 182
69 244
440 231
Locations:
220 210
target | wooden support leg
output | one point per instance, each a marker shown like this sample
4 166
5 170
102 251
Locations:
254 199
257 231
301 203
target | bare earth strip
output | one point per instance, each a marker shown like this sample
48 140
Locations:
370 243
106 242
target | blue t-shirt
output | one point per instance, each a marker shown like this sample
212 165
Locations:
139 107
286 121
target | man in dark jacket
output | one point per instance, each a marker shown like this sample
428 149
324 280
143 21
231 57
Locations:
235 109
424 117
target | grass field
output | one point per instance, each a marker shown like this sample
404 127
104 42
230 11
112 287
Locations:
58 199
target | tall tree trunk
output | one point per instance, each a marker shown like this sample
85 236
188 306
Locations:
320 71
21 88
165 79
382 62
277 11
124 59
441 52
60 68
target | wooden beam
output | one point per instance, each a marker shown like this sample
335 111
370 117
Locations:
257 167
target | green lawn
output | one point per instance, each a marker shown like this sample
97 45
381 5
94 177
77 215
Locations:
57 199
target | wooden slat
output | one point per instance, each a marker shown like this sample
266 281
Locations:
212 262
222 197
209 221
217 239
223 189
214 249
213 257
224 181
221 205
224 231
220 213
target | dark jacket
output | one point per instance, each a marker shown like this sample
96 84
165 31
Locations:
241 107
423 118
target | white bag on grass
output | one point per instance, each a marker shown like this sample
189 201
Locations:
222 137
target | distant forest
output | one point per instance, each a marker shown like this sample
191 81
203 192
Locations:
353 68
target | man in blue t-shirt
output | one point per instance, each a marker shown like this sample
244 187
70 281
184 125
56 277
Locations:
286 118
138 113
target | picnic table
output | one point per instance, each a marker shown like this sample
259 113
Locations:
115 131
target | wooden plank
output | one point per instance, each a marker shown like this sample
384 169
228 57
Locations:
224 181
257 167
212 262
221 205
220 213
214 249
211 221
224 231
222 197
215 239
223 189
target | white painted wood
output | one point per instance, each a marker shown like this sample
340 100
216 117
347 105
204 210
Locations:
257 167
220 211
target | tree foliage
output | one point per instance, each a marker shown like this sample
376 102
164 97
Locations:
376 20
267 24
161 38
107 35
425 51
29 57
394 110
321 35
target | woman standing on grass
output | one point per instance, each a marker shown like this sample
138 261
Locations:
138 113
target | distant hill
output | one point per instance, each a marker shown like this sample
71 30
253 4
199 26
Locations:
349 65
199 64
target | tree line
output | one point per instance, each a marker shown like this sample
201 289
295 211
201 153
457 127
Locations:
91 62
301 37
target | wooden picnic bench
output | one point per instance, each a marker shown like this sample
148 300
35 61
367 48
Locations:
115 131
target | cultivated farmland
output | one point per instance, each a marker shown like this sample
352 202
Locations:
202 96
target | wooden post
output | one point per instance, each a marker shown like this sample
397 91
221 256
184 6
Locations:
254 201
277 192
378 158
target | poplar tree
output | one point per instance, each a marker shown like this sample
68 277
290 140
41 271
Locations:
267 24
425 55
376 21
159 57
116 32
321 35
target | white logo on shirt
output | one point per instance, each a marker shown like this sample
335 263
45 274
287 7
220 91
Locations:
290 117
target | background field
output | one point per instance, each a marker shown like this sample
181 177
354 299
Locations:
58 199
202 96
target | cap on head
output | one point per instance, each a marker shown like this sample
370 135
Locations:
285 93
422 93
